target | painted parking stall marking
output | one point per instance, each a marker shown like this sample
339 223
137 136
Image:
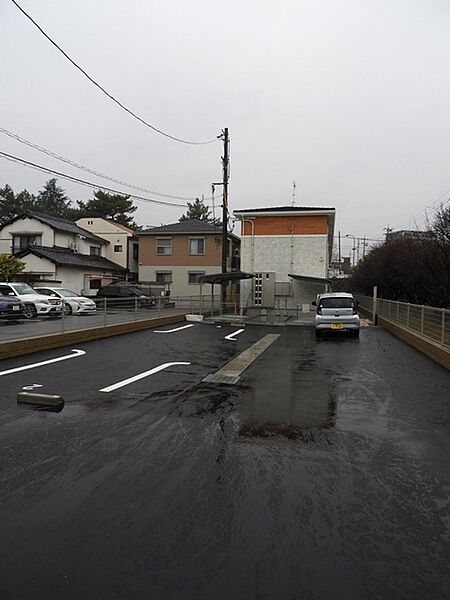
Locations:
172 330
75 354
119 384
232 336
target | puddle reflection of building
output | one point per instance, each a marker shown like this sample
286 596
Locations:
295 400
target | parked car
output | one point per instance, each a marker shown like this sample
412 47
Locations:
128 294
11 308
337 312
34 304
73 302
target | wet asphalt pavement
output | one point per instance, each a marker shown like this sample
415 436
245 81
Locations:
324 473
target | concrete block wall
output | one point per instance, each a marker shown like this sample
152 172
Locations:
299 254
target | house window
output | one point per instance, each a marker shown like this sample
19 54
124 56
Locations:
118 248
95 284
90 222
194 276
163 276
135 251
94 250
22 241
163 245
196 246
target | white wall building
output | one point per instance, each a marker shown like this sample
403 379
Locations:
123 247
58 251
293 244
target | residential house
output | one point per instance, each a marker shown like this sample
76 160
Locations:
123 247
59 251
289 249
179 254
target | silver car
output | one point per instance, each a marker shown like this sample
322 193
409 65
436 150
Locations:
337 312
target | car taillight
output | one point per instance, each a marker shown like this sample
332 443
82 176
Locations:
319 310
355 310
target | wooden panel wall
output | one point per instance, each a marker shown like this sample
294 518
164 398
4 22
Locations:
287 225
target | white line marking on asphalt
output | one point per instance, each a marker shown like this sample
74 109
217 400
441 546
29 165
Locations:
231 336
75 354
33 386
120 384
172 330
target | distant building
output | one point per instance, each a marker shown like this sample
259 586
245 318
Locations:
123 246
289 249
58 251
177 255
407 233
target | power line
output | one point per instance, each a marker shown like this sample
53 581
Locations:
32 165
68 161
424 210
102 89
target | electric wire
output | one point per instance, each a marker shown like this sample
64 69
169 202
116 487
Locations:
68 161
108 94
89 184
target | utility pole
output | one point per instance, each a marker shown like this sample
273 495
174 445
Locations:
294 187
225 163
364 247
339 252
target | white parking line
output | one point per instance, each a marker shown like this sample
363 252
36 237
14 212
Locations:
232 335
75 354
120 384
172 330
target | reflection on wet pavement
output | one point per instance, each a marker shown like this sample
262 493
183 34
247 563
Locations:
297 400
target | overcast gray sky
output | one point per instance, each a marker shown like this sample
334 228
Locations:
349 98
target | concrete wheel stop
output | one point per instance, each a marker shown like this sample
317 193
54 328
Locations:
43 400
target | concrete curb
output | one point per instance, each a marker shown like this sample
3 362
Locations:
433 350
57 340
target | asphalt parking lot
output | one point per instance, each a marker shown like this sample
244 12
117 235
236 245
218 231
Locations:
322 473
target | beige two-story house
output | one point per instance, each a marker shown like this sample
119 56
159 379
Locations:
177 255
123 246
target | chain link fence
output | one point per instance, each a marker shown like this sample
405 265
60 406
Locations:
427 321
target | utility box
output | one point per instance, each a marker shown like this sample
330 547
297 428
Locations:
283 288
264 289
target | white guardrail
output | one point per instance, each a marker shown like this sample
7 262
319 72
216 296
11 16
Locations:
427 321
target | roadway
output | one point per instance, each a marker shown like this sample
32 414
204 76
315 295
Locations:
322 473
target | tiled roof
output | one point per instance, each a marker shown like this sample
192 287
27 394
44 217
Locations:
64 256
283 209
191 226
62 225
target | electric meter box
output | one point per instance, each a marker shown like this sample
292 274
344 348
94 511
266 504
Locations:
264 289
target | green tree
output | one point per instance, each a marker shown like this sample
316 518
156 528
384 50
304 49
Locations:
52 200
109 206
10 266
198 210
12 204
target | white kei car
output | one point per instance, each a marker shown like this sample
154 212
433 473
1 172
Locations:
73 302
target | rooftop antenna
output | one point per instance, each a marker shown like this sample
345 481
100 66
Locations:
294 187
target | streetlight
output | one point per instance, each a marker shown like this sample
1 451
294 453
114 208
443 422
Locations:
349 235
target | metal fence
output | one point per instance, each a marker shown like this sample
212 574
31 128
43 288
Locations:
427 321
120 310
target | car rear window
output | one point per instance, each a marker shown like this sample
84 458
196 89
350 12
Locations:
337 302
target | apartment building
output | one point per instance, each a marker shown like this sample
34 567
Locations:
289 249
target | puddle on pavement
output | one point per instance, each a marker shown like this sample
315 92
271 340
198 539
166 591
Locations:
296 403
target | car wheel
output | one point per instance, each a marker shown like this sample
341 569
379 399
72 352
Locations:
67 309
355 333
30 312
318 334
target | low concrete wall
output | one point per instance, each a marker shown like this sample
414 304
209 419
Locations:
438 353
56 340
